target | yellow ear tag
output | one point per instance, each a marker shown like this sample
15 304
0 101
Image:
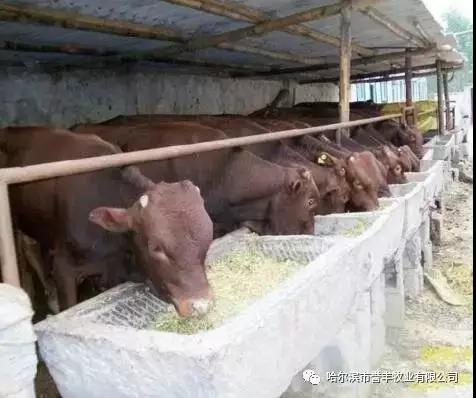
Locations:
322 159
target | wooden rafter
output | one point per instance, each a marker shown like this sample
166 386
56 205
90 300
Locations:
262 28
239 12
124 28
255 30
392 26
421 30
106 58
399 77
389 57
382 75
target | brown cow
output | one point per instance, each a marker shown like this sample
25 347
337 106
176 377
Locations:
91 221
365 176
332 186
393 131
240 189
364 173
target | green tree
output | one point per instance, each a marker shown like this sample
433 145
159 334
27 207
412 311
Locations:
459 23
456 22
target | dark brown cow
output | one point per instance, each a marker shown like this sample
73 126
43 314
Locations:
333 188
240 189
330 176
364 173
391 130
365 176
91 221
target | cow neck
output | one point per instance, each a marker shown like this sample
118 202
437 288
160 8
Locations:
314 146
263 178
289 155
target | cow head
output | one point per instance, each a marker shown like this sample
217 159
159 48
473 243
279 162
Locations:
333 187
172 232
412 138
291 211
393 165
413 163
367 180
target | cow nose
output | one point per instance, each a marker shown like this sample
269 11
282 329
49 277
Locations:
193 307
201 307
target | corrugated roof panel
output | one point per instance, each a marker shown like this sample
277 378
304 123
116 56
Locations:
192 22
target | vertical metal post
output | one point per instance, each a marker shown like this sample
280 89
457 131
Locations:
408 83
447 101
8 256
345 63
441 106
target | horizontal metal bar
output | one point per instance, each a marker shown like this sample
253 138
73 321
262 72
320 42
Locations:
43 171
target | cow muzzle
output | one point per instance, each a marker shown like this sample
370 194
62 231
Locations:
193 308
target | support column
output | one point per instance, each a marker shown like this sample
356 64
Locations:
441 107
8 255
345 62
408 84
447 101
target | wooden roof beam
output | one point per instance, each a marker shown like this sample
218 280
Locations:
106 58
262 28
389 57
421 30
392 26
70 20
239 12
381 75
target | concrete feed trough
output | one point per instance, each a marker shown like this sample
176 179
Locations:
433 184
253 354
256 353
413 195
387 225
442 147
262 351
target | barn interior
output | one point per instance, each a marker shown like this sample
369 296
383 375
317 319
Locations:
65 63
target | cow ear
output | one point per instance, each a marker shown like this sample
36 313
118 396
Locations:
305 174
387 151
296 185
111 219
324 159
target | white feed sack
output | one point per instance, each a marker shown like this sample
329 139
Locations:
18 360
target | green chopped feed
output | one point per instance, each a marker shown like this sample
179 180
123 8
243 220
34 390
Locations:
358 229
237 280
384 205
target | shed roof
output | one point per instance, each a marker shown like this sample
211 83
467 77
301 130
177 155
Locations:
32 42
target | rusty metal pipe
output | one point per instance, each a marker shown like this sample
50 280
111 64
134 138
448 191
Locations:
44 171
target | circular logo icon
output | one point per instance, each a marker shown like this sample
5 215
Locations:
307 374
315 380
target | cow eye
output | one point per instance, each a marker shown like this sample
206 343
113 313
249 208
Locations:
311 202
398 169
358 184
342 172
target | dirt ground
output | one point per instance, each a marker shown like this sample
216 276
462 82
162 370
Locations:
438 337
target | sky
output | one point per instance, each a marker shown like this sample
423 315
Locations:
439 7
